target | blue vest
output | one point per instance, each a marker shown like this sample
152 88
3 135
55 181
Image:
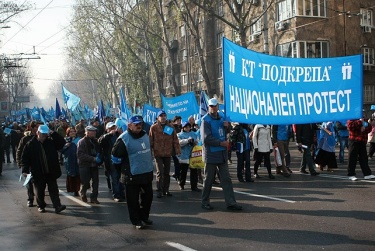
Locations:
139 153
217 130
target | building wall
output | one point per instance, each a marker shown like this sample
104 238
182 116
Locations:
340 28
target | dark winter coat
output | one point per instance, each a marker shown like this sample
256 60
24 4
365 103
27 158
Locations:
70 157
305 134
87 151
32 157
25 139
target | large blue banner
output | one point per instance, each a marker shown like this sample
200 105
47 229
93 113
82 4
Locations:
184 106
264 89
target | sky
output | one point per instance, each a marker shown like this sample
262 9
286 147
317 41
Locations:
44 26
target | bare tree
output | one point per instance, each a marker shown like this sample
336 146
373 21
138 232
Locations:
9 10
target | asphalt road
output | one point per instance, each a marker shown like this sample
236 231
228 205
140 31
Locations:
327 212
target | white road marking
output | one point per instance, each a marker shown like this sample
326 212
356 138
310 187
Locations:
258 195
179 246
340 177
68 196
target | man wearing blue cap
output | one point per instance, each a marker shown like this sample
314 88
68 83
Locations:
34 125
215 155
40 158
132 155
164 143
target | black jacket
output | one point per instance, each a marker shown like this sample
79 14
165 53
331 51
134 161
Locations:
32 157
106 142
238 134
305 133
21 146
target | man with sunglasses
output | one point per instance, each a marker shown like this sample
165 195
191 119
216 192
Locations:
215 156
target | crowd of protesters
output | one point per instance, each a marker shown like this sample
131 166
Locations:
127 151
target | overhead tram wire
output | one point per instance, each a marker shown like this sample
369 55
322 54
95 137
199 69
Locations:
52 37
28 23
67 26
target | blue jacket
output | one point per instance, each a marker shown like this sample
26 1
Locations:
281 132
186 148
327 142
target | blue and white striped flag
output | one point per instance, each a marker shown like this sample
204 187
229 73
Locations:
203 107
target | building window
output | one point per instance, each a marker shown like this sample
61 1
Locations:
183 79
220 10
285 9
183 55
219 39
369 93
236 37
312 8
220 70
177 80
368 56
366 18
182 31
256 28
303 49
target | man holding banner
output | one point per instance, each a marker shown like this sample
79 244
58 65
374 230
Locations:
215 155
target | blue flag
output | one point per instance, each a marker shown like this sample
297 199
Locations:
35 114
203 106
101 112
108 108
42 116
125 113
57 110
64 113
70 99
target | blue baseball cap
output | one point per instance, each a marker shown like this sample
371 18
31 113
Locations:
213 102
161 112
185 123
136 120
43 129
